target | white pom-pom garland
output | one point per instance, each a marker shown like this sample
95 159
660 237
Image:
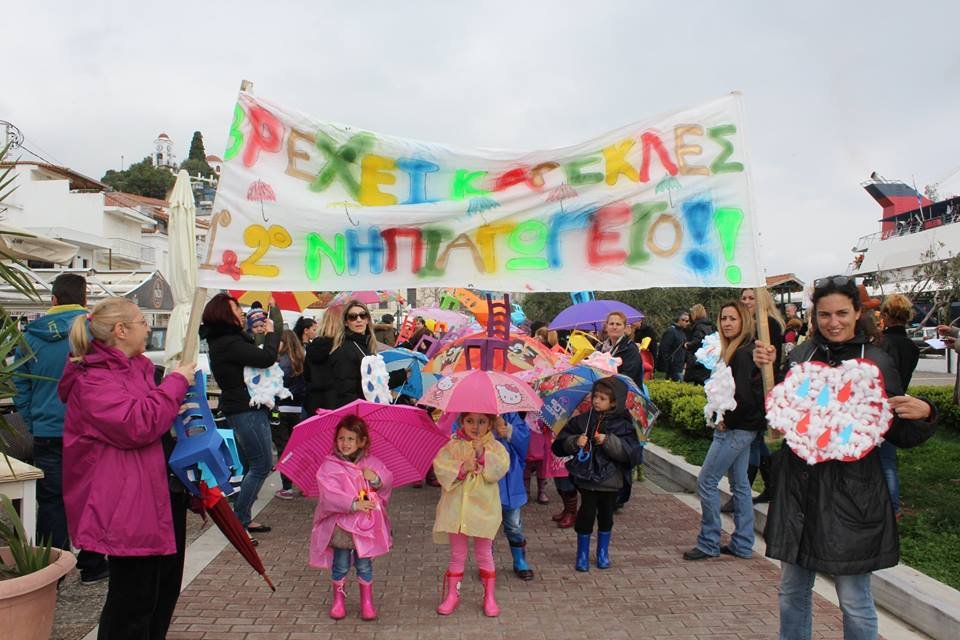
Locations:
720 388
831 413
709 352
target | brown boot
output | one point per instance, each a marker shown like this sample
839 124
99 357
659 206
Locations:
569 510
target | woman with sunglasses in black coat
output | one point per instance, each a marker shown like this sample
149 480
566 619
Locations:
836 517
335 378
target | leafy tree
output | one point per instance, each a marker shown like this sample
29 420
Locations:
196 161
142 179
660 305
936 279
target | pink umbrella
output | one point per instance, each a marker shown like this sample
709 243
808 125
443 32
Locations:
482 392
258 191
403 438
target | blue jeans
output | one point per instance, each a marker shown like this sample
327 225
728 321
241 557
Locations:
888 462
564 484
51 515
252 431
796 604
728 454
341 565
513 526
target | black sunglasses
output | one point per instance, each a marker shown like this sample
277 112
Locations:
363 315
837 281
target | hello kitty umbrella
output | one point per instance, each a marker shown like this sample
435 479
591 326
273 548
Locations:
481 392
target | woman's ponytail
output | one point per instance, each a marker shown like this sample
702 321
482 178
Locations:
99 324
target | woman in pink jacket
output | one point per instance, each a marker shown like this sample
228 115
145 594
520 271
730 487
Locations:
350 523
115 478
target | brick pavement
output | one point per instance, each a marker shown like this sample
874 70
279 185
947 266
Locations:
650 592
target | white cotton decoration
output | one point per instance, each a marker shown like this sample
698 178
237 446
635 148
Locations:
720 388
709 352
841 429
375 379
265 385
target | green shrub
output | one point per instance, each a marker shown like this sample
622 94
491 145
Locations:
681 406
942 398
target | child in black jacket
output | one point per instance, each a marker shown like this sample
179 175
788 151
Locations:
602 443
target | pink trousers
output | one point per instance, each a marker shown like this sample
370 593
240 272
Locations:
482 553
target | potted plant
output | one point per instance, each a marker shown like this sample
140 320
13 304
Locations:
28 579
28 573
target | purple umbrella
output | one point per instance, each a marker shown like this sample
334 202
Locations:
591 315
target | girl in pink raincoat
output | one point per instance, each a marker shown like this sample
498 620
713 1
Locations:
351 518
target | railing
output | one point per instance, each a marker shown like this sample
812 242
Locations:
904 229
123 249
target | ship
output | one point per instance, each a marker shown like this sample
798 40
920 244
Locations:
913 230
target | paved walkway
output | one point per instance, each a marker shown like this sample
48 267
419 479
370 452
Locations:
650 592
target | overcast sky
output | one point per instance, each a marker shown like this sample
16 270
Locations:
832 90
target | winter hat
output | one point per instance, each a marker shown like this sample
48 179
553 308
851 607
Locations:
255 316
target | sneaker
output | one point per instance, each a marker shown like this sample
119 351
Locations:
696 554
285 494
93 577
726 550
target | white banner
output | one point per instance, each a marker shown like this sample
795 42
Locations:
310 205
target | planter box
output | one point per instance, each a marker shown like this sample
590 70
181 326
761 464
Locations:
27 603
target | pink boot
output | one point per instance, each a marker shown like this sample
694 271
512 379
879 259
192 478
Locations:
367 610
489 579
452 597
338 610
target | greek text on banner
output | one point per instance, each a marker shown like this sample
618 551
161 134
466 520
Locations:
309 205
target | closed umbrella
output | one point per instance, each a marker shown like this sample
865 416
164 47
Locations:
183 268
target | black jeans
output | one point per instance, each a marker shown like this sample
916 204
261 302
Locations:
595 506
143 590
280 434
51 515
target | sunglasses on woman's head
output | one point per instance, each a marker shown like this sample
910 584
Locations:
363 315
837 281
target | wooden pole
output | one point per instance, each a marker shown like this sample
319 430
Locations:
192 340
763 333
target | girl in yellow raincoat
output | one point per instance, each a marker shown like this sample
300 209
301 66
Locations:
469 469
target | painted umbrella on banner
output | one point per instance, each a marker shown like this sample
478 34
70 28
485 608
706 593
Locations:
403 438
286 300
213 503
592 314
567 393
523 353
481 392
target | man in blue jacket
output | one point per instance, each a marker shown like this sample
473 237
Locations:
42 412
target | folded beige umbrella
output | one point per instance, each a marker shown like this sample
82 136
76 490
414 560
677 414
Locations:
26 245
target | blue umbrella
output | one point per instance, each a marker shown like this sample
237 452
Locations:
567 393
591 315
418 381
399 358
